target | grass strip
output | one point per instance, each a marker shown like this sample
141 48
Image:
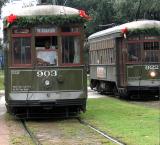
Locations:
1 80
132 124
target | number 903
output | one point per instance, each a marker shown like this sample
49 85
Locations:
52 73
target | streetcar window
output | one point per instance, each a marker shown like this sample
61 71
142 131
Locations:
133 52
46 50
46 58
40 42
70 49
70 29
21 51
151 45
151 51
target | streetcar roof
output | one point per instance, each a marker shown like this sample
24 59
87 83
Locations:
45 10
130 26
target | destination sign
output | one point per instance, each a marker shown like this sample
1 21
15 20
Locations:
21 31
45 30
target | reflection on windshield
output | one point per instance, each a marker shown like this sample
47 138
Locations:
151 51
21 51
70 49
145 51
133 52
46 58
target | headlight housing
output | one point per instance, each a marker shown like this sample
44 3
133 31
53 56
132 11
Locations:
152 74
47 82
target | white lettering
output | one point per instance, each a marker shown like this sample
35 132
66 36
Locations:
52 73
151 67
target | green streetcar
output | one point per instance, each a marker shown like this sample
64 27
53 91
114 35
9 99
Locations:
44 60
125 59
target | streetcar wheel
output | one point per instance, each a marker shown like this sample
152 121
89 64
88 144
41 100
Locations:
123 94
115 92
93 84
99 89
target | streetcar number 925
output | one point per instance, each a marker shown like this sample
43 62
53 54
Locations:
52 73
151 67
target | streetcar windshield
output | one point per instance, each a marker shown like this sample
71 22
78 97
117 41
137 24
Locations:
41 42
146 51
46 48
70 49
151 51
21 51
46 58
134 52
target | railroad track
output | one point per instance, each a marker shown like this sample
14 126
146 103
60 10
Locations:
32 136
108 137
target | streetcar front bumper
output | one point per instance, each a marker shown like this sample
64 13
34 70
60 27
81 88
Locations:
144 90
47 99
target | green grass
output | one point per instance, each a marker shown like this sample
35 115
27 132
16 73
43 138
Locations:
1 80
132 124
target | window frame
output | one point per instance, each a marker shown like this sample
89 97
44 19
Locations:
72 34
13 36
142 51
47 34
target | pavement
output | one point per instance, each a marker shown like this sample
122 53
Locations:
94 94
4 131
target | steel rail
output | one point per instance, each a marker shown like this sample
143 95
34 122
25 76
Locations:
100 132
32 136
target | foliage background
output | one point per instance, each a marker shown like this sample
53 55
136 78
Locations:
114 12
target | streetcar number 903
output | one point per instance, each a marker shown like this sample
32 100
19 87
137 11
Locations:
151 67
52 73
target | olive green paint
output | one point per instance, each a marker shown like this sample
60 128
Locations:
65 80
136 72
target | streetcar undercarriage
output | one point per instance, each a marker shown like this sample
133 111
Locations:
129 92
42 105
33 109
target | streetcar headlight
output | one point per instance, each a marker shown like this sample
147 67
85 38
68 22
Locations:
47 82
152 74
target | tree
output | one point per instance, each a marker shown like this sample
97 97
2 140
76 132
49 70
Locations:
101 12
150 9
129 10
2 2
60 2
